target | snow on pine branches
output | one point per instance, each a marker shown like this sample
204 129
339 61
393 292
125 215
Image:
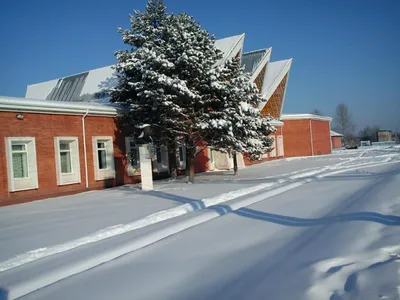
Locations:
170 79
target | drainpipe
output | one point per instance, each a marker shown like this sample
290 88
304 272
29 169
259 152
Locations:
311 139
84 147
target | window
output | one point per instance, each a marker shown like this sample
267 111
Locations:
211 155
65 157
103 157
132 157
134 154
21 163
67 160
158 154
180 153
19 160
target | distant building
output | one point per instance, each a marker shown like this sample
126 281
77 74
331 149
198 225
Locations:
337 140
385 136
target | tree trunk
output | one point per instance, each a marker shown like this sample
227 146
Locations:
191 166
172 160
235 165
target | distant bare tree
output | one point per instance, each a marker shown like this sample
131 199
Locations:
317 112
343 122
369 133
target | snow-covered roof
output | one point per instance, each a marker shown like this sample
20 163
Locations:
81 87
276 71
230 46
334 133
14 104
304 117
88 86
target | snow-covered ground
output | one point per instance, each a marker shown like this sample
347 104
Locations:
309 228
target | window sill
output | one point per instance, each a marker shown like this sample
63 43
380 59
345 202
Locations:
68 183
104 175
24 189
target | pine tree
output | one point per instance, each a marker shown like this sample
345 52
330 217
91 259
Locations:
166 79
238 122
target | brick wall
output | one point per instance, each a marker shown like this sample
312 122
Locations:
44 127
321 137
296 138
337 142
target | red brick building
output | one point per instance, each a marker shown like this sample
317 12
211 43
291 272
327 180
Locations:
51 148
68 141
337 140
306 135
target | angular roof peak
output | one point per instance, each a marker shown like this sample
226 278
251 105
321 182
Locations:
229 46
275 72
252 60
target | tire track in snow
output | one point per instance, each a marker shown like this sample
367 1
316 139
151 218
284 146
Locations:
160 216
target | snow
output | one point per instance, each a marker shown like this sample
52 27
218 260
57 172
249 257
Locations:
104 77
274 74
227 45
295 218
329 239
40 90
97 80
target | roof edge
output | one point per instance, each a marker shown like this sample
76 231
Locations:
13 104
277 123
285 117
240 39
278 79
69 75
334 133
262 63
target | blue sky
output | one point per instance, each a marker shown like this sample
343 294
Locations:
343 51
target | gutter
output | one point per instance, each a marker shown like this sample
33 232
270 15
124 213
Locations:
84 147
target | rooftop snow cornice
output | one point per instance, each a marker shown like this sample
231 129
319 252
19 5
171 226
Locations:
334 133
305 117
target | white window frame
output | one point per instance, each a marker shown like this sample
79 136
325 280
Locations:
109 172
181 163
211 156
27 183
273 151
131 170
161 159
279 146
75 175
